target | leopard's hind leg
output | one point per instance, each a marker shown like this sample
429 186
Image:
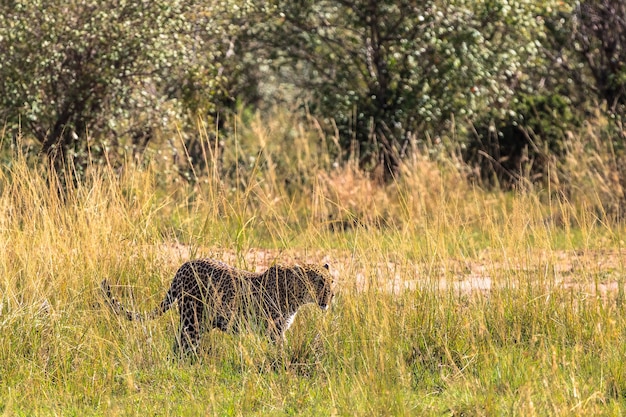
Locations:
191 316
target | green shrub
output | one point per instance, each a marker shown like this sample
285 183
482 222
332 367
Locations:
521 144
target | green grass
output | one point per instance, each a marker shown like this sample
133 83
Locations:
407 334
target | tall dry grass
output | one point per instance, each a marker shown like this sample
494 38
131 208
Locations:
451 299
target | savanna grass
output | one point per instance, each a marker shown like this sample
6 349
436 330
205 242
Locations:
451 300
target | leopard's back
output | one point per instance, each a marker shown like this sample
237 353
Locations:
196 277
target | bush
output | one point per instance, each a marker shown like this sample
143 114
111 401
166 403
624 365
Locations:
520 145
117 72
385 71
69 69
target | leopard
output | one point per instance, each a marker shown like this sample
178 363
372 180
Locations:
214 295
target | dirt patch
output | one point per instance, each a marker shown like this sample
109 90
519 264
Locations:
592 271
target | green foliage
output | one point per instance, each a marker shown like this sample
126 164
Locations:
597 35
217 69
87 67
118 71
385 71
91 80
522 143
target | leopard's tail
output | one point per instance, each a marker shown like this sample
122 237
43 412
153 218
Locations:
118 308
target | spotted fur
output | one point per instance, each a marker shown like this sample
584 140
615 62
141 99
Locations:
211 294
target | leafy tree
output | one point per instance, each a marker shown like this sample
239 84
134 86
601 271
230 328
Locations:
69 68
588 42
115 70
219 69
387 70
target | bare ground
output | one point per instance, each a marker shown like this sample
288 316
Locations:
593 271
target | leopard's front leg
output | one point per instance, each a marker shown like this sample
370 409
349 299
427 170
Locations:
279 326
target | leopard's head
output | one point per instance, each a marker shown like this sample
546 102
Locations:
320 282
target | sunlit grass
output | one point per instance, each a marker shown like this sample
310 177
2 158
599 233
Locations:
451 300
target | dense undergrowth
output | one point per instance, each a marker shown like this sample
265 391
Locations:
451 299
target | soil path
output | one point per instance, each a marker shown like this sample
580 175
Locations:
593 271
